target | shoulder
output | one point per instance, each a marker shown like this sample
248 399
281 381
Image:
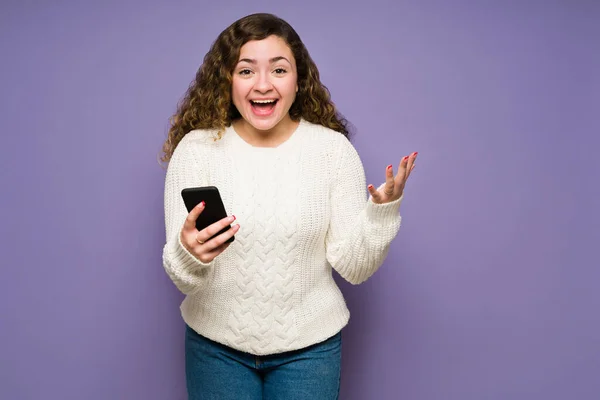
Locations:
200 138
327 139
194 147
332 148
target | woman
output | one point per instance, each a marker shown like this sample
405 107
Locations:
263 313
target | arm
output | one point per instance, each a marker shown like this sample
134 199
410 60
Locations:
187 272
360 232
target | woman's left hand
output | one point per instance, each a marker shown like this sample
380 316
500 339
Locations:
394 185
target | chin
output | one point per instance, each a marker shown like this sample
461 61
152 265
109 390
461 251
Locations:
264 124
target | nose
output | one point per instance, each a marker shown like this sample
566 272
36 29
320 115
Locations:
263 83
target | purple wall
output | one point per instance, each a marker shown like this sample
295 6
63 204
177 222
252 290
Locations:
490 290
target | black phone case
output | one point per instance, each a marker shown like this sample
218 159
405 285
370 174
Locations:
214 209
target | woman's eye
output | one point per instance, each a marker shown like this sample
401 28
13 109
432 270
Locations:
245 72
280 71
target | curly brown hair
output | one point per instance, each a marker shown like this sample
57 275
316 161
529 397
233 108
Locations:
207 103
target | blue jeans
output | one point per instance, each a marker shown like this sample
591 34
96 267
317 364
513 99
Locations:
215 371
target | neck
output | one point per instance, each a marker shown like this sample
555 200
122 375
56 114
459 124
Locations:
266 138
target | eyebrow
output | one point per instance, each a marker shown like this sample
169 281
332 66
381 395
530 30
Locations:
272 60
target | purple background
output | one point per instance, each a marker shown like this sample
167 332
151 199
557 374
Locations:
489 292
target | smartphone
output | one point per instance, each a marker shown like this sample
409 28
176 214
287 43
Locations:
214 209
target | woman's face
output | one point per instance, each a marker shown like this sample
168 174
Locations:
265 82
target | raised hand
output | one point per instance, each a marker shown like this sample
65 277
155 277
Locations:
394 185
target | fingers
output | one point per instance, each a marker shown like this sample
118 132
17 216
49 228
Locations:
204 236
410 164
375 194
208 247
202 244
389 181
215 228
407 164
402 167
190 220
221 239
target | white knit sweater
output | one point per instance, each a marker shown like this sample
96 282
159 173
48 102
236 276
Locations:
302 209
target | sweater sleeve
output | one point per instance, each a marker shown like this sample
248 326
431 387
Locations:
187 272
360 231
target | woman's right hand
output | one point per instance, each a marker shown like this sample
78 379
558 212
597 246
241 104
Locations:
198 243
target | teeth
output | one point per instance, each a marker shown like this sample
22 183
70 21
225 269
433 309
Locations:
263 101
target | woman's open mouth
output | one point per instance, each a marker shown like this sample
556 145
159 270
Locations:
263 107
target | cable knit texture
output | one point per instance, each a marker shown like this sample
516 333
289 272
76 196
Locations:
303 210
